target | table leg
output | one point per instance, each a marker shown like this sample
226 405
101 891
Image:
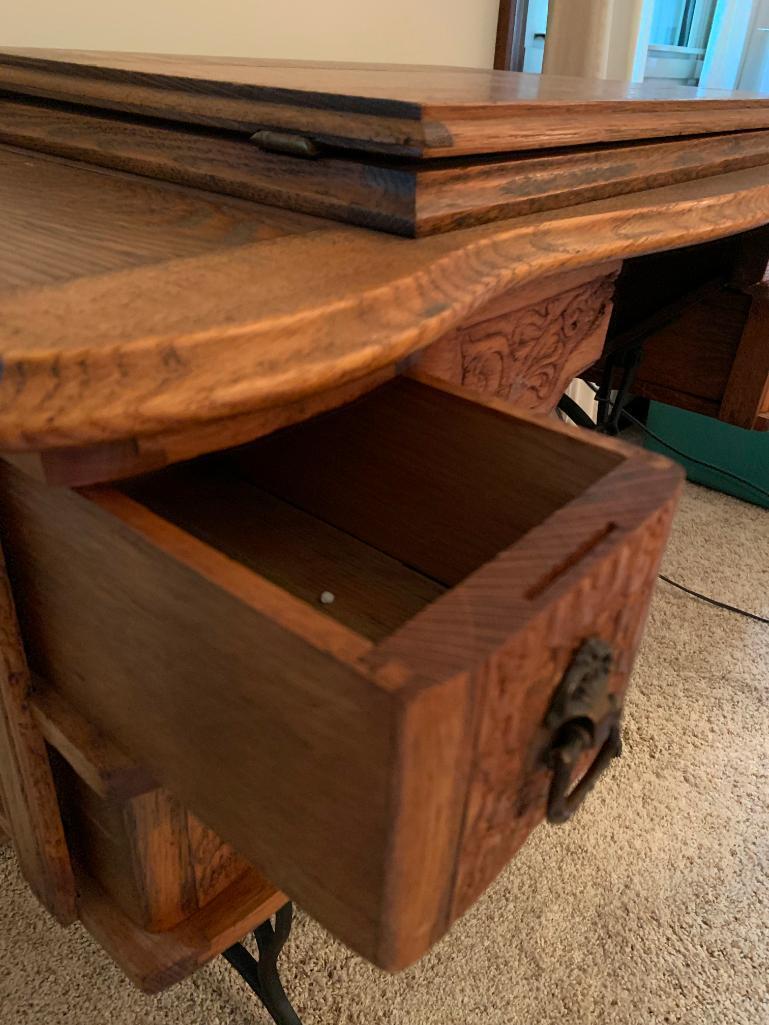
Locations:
262 975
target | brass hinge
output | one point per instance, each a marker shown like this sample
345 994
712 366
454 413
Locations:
285 142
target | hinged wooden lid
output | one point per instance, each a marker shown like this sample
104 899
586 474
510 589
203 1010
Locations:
406 110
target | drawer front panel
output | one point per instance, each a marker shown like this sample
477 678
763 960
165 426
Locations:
273 742
508 791
514 628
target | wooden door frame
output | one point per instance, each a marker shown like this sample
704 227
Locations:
511 35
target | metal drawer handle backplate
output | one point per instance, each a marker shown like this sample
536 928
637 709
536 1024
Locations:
582 715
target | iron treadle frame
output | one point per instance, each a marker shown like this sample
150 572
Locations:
261 975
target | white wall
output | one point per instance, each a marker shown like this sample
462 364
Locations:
459 32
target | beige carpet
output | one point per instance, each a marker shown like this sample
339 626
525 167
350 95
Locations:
651 907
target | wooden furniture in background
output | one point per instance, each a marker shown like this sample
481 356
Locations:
712 357
704 334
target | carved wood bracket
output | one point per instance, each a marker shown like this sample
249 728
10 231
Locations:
527 346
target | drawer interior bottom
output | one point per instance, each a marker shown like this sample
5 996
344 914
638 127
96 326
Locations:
371 512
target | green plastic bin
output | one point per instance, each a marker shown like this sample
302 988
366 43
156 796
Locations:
745 453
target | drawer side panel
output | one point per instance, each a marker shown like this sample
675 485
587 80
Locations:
281 748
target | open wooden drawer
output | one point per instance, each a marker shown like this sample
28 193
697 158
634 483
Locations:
379 756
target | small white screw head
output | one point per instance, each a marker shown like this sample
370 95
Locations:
327 598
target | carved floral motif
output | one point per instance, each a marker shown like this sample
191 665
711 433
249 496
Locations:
526 356
530 354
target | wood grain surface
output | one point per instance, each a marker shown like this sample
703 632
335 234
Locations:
155 960
106 770
137 850
373 593
125 351
283 787
414 110
149 857
28 795
62 222
79 465
400 196
216 864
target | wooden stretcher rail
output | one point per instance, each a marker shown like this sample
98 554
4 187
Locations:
131 815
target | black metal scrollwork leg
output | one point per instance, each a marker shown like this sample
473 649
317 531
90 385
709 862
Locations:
262 975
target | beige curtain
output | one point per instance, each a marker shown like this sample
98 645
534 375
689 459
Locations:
593 38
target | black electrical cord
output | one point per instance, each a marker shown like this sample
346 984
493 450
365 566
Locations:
714 601
710 466
700 462
684 455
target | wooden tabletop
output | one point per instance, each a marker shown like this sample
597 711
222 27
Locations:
130 307
412 110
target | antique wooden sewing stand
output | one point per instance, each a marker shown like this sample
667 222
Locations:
307 594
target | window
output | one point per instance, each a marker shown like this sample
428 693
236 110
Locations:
684 23
678 39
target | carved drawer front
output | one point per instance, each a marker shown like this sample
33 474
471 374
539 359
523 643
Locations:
370 651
